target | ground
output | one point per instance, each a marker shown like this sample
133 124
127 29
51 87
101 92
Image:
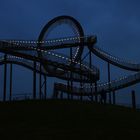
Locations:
69 120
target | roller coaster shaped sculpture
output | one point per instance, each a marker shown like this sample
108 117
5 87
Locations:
41 57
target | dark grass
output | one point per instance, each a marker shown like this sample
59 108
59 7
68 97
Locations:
55 119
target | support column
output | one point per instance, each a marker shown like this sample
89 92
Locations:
109 82
40 82
96 96
61 95
114 98
81 80
68 86
45 86
133 99
34 81
5 78
11 81
81 97
81 85
90 65
71 74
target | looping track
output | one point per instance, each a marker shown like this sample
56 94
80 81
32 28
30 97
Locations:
52 64
73 23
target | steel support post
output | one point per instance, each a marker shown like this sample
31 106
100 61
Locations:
5 79
96 96
133 99
81 84
68 88
109 82
45 87
71 74
40 82
114 97
11 81
61 95
34 81
90 64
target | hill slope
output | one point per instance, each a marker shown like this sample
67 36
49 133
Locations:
67 120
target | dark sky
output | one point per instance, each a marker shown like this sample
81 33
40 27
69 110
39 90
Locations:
115 22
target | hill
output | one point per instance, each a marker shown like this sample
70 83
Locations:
57 119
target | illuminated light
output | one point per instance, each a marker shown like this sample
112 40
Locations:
45 51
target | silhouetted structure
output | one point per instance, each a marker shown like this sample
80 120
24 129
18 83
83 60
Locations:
40 58
103 97
133 100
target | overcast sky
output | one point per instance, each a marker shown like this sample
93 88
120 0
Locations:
115 22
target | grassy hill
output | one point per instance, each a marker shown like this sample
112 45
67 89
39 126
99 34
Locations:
67 120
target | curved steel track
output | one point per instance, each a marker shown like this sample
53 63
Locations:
26 52
116 84
124 64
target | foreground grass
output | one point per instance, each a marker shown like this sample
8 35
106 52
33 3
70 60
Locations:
67 120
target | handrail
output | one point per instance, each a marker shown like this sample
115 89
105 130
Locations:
128 65
117 84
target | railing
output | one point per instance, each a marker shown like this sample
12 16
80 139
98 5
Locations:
53 42
128 64
54 57
67 75
114 85
23 96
